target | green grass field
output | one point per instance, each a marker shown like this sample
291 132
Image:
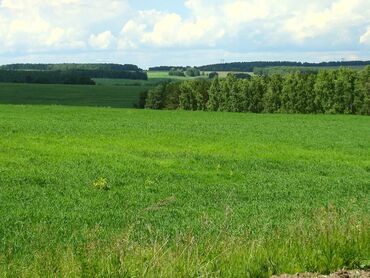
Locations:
128 82
124 96
163 75
132 193
119 93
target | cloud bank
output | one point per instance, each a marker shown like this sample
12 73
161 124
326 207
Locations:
33 27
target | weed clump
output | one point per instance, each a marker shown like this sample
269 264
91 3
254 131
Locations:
101 184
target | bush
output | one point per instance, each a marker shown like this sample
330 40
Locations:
176 72
241 75
192 72
213 75
141 102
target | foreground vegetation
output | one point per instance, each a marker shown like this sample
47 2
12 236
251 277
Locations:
343 91
110 192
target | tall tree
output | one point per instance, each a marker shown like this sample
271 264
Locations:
288 92
156 97
214 94
344 90
324 91
272 97
362 92
257 89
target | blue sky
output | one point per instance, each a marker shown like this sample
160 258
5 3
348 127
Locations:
183 32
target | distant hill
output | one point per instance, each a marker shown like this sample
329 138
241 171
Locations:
44 77
166 68
19 71
71 66
249 66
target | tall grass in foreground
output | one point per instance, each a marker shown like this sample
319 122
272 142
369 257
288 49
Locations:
335 240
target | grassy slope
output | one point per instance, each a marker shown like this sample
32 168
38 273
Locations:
123 93
126 82
79 95
191 193
163 75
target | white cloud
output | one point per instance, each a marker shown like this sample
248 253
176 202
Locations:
130 33
239 12
160 29
38 25
102 41
365 38
240 26
319 20
173 30
252 22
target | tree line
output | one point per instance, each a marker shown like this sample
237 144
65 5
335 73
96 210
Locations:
182 72
44 77
68 73
114 74
342 91
250 66
285 70
71 66
166 68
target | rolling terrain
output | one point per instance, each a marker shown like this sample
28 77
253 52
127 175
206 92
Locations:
123 96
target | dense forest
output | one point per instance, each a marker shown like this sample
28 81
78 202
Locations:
66 67
116 74
250 66
45 77
68 73
167 68
267 68
285 70
330 91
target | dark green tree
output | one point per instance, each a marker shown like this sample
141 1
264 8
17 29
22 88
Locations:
257 89
212 75
192 72
324 91
271 98
214 95
156 97
362 92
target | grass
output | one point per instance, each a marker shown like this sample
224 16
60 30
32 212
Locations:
118 93
163 75
125 96
126 82
115 192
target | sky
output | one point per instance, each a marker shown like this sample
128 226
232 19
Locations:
183 32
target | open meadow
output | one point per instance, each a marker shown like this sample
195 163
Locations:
184 139
128 193
125 96
122 93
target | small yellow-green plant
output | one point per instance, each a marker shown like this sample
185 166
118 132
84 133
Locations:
101 184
